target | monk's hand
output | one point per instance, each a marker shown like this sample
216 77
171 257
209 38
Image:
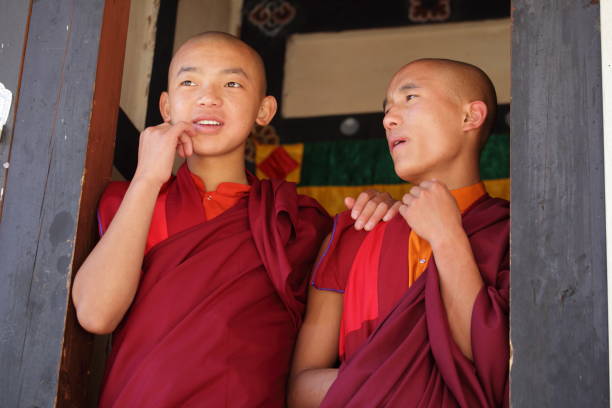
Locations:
371 207
158 148
432 212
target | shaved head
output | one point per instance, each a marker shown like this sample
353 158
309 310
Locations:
467 82
225 40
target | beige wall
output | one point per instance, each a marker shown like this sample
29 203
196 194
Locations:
195 16
348 72
139 59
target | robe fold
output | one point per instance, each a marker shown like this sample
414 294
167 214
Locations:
219 304
401 352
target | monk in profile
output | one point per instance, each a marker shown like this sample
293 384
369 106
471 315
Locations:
416 310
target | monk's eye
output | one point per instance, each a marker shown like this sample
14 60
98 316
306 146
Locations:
410 97
233 84
188 82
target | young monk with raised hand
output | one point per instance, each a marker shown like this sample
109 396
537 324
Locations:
204 274
417 309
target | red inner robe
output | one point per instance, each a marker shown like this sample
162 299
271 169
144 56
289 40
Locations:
405 354
219 303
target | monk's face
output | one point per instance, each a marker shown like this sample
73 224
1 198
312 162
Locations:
216 85
423 118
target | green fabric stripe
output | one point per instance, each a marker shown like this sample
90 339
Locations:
495 157
361 162
347 163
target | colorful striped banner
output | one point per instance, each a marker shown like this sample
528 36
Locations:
332 170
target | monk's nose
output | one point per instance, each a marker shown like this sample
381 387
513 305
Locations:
390 121
209 98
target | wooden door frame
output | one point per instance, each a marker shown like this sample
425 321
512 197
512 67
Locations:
60 160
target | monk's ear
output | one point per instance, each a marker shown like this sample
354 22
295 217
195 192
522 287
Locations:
267 110
164 106
475 115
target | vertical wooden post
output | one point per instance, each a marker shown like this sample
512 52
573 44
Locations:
558 296
61 157
13 32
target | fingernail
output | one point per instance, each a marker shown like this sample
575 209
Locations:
359 224
354 214
368 226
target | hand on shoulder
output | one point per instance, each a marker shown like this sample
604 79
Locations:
370 208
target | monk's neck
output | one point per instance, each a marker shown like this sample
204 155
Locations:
454 177
216 170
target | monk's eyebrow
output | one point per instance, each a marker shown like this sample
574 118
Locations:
186 69
409 86
406 87
236 70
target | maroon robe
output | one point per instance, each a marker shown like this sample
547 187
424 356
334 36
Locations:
219 304
406 356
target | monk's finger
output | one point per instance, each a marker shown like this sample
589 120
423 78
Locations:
427 184
187 144
349 202
379 212
181 128
403 210
180 150
362 199
407 199
415 191
365 215
392 212
385 197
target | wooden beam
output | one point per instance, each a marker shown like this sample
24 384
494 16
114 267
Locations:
558 297
13 31
61 156
82 362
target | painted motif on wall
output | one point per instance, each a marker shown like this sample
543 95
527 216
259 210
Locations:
271 16
425 11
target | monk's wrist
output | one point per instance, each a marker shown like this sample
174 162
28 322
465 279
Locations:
450 240
146 183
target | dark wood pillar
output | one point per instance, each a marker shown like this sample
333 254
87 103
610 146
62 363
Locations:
60 159
13 29
559 330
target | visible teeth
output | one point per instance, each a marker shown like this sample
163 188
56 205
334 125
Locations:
209 122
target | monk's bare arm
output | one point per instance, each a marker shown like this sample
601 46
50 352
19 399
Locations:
106 282
460 283
432 213
316 350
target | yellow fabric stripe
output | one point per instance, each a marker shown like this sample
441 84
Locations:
332 197
498 188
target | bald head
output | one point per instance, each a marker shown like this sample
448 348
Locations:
468 82
227 41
